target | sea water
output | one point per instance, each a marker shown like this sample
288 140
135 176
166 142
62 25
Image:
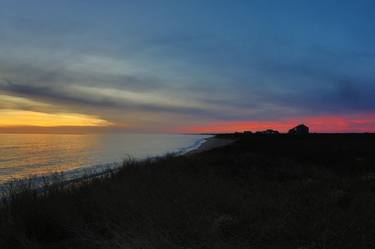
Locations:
26 155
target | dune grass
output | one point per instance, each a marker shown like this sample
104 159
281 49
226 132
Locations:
280 191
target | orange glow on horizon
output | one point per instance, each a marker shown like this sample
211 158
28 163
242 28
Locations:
12 118
326 123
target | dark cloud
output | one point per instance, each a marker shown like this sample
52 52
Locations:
249 60
320 81
56 73
62 96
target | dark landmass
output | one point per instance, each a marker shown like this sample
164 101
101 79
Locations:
261 191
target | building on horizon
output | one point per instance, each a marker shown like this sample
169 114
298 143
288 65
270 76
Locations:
299 130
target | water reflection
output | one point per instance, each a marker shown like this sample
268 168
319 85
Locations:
36 154
24 155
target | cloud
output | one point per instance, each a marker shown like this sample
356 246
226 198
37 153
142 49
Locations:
12 102
94 84
104 98
230 62
98 83
321 81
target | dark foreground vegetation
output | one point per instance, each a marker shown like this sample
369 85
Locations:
278 191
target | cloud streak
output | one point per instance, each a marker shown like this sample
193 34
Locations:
194 63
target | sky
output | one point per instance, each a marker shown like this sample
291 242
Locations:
186 66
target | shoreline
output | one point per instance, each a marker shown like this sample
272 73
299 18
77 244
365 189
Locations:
86 173
237 196
209 144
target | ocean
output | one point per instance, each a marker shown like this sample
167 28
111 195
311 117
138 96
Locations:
26 155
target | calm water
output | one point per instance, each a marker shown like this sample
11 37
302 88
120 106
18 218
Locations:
25 155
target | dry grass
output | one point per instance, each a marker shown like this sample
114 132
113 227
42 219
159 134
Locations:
260 192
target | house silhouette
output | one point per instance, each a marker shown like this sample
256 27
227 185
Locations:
299 130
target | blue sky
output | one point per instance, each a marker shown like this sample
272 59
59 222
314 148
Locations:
161 65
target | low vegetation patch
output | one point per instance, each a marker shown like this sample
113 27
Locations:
279 191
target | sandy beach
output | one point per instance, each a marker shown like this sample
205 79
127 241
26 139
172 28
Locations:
211 143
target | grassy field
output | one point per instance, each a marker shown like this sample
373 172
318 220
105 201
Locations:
315 191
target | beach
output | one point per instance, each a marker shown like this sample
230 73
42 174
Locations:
211 143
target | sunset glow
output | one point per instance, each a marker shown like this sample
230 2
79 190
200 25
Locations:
350 123
98 65
11 118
